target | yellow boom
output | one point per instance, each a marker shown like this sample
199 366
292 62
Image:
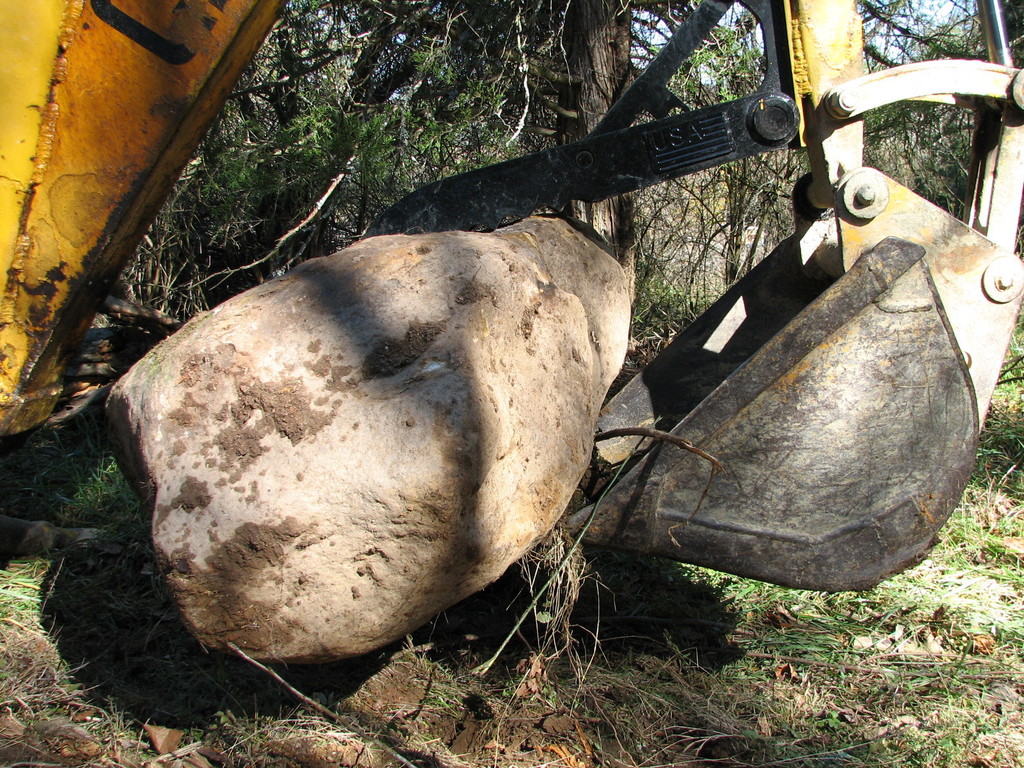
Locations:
104 101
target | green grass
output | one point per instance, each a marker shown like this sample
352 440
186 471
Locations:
68 476
661 664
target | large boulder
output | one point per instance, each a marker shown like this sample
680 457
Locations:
337 455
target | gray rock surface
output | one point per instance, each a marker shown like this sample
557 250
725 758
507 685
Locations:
337 455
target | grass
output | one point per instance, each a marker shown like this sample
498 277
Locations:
658 664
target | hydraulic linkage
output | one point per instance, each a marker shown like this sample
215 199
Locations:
617 156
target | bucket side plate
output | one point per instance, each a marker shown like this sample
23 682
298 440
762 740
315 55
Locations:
846 442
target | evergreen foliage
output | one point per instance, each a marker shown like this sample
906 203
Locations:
352 103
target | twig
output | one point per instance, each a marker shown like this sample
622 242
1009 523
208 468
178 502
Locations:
314 214
180 752
1007 366
666 437
1009 472
655 434
316 706
859 667
655 620
679 442
77 404
122 309
812 662
456 640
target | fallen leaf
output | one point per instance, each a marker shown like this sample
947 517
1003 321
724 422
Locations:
164 740
1014 545
213 755
930 646
85 714
786 672
1004 699
534 676
11 728
69 740
982 760
983 645
780 616
556 724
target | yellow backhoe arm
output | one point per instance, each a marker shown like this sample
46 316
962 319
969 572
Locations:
104 102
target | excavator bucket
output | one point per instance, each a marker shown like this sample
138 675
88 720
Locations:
829 433
844 442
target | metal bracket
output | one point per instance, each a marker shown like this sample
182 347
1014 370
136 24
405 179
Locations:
953 81
618 157
596 168
979 283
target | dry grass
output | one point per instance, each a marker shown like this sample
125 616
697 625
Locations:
626 661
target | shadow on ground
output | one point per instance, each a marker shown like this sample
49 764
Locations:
114 624
113 620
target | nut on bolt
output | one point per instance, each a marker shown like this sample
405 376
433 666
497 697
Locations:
840 103
864 193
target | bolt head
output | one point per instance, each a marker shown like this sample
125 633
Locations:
585 159
1003 279
774 119
865 195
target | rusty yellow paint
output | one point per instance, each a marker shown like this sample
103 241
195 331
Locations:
26 69
826 46
132 88
924 224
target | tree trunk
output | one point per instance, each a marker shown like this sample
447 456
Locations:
597 39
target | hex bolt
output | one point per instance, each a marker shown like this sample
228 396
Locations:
841 104
865 196
864 193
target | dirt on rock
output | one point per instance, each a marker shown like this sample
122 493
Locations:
392 355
